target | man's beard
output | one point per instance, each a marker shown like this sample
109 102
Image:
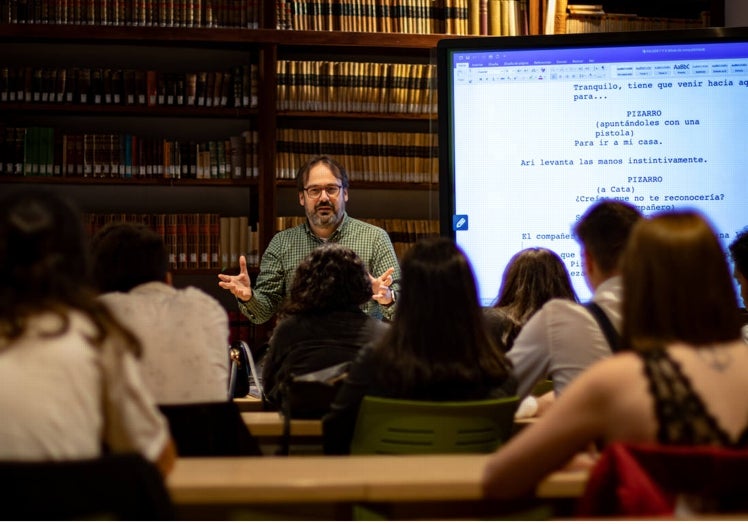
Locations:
327 220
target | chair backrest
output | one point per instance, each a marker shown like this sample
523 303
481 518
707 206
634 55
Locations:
396 426
115 487
647 480
209 429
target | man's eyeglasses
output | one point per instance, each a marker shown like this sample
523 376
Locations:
316 191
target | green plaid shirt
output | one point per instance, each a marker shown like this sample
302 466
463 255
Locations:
289 247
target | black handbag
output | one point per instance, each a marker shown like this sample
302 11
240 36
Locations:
309 396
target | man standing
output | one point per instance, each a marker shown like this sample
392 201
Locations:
323 192
563 338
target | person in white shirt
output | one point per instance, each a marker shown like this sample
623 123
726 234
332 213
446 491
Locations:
563 338
184 331
70 387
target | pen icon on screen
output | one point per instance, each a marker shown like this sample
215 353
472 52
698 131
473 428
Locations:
460 223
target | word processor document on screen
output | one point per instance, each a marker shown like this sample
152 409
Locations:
539 135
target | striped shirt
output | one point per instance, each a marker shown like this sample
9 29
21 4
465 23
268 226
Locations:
289 247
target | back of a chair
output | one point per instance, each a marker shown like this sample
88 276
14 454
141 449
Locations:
647 480
116 487
395 426
209 429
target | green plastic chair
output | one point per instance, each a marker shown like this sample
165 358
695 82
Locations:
395 426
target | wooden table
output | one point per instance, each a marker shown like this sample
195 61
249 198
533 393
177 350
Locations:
249 403
267 427
270 424
340 482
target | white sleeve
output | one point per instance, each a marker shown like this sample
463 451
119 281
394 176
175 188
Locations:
530 355
132 419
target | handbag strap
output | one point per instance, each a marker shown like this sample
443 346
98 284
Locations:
253 370
606 326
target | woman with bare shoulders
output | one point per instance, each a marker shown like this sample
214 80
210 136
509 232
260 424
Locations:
681 320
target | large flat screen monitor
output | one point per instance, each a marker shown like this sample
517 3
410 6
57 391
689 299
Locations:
534 130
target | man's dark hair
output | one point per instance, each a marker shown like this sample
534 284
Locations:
126 255
302 175
604 229
739 252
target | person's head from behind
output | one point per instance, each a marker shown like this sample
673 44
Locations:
43 258
602 232
323 190
331 278
438 329
739 255
677 284
45 265
126 255
532 277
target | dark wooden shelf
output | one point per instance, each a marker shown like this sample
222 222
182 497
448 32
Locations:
140 110
354 115
252 270
174 182
210 36
358 184
158 36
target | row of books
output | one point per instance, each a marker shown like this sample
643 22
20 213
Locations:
193 240
158 13
596 23
368 156
356 87
498 17
403 232
236 87
45 151
381 16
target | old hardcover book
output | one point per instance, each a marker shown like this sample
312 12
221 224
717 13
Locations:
243 237
202 87
152 87
141 87
191 88
172 240
118 87
224 243
238 156
128 80
204 245
210 86
234 241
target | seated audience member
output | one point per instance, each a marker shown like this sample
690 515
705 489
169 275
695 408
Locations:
681 322
437 347
69 383
532 277
739 255
321 322
184 332
563 338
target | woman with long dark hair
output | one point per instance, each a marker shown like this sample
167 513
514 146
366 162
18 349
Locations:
437 347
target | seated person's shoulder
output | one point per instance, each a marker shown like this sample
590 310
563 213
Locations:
197 295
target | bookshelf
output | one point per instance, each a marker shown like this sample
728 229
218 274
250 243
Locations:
636 15
386 141
106 184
